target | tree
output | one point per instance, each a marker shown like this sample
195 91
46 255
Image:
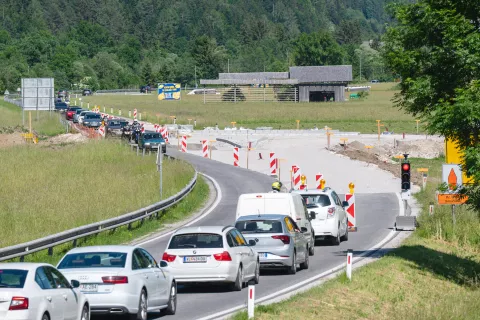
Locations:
435 48
209 57
317 49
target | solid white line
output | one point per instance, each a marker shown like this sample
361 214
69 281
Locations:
212 207
401 206
305 283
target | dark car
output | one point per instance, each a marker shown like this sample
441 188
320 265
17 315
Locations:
62 93
92 120
151 140
145 89
61 106
115 126
71 111
87 92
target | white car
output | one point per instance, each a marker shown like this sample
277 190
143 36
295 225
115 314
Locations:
212 254
39 291
121 280
329 219
82 116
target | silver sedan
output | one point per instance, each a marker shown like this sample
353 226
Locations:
280 243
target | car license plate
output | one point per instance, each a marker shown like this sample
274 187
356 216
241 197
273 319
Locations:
88 287
263 254
195 259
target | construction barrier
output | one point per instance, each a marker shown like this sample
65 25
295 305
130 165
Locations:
184 143
235 157
318 178
273 164
352 224
101 130
205 148
296 178
143 128
135 114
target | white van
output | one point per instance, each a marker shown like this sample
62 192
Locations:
291 204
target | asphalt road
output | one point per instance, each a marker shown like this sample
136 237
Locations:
375 216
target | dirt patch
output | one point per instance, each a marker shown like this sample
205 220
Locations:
13 139
67 138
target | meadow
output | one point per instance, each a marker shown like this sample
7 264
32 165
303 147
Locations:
355 115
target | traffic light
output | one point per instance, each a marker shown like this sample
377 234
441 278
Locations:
405 176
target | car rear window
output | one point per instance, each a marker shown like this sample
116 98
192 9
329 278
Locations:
321 200
196 240
152 136
92 116
94 260
259 226
12 278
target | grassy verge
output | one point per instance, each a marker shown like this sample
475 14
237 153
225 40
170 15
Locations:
48 123
48 189
435 274
195 200
361 114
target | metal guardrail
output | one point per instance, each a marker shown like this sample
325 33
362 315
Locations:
14 99
21 250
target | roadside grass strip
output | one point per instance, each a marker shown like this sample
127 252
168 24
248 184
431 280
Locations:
49 189
48 123
354 115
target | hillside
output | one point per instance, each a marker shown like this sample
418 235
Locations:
119 43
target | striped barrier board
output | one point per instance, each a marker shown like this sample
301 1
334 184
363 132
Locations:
352 223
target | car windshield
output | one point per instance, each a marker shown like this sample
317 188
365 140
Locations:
79 111
12 278
196 240
321 200
94 260
92 116
148 136
259 226
61 104
114 123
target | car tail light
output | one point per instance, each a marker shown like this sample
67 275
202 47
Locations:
224 256
285 239
330 212
115 279
168 257
19 303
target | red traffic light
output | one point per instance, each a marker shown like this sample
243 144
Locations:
406 166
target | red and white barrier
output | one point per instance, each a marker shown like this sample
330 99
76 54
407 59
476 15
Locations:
273 164
205 148
101 131
135 114
318 177
235 157
352 223
143 129
164 133
296 178
184 143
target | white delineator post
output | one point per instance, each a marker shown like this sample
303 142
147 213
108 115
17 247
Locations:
235 157
251 301
205 148
318 177
349 263
273 164
184 143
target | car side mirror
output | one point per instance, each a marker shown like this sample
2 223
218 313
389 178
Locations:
252 243
163 264
345 204
304 229
75 284
313 215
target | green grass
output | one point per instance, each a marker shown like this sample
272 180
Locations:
355 115
435 274
48 189
123 235
48 123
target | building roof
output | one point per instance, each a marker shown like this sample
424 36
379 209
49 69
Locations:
250 81
321 74
254 75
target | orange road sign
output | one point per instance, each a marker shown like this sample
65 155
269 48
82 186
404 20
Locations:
422 169
453 155
452 199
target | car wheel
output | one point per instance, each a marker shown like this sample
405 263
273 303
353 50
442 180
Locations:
238 284
311 249
345 236
45 317
172 301
257 273
306 263
85 313
293 267
336 240
142 307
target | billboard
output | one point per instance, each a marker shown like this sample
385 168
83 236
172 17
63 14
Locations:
38 94
169 91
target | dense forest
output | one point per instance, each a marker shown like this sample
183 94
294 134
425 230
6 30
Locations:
123 43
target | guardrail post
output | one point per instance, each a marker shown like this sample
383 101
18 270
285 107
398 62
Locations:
74 243
137 150
22 258
50 251
349 263
251 300
143 152
129 226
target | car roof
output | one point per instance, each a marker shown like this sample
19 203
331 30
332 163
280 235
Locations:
22 265
313 191
102 249
263 216
149 131
203 229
